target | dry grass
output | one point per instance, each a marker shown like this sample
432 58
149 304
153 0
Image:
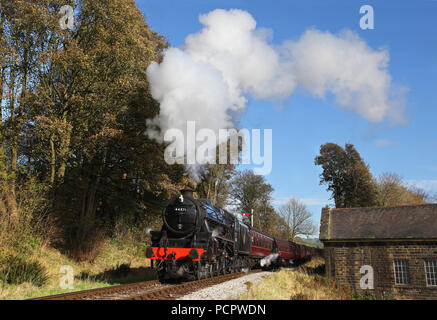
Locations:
315 262
105 271
287 284
297 285
26 233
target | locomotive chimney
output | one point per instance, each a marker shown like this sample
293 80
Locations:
187 193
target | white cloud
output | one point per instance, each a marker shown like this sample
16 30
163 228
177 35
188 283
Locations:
346 66
427 185
210 76
385 143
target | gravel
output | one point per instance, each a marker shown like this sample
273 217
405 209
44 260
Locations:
231 289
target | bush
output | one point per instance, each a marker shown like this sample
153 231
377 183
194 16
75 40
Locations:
16 270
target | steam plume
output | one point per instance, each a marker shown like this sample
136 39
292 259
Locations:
210 76
267 261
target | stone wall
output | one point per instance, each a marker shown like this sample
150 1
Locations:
344 260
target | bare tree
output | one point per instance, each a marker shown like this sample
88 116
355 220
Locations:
297 218
432 198
391 189
394 191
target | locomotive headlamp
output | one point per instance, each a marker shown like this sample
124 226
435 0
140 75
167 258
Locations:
149 252
193 254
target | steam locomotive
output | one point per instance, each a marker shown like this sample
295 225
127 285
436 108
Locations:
200 240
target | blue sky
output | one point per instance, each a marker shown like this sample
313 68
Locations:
407 29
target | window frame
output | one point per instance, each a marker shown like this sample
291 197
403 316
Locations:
403 272
434 267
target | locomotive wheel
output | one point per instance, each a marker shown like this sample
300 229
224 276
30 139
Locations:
161 275
217 268
199 273
223 266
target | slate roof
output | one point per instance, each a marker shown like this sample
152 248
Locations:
379 223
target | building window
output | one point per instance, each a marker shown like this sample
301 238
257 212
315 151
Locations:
431 272
401 270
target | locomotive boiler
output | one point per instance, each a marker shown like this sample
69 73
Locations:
200 240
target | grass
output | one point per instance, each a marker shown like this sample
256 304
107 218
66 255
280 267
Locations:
18 270
315 263
287 284
117 264
303 284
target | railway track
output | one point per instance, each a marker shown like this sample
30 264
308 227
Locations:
148 290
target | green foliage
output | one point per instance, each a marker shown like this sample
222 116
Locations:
78 125
347 176
352 185
248 284
215 178
250 191
17 270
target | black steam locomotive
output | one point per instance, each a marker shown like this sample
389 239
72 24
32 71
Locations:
200 240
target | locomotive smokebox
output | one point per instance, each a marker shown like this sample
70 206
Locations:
187 193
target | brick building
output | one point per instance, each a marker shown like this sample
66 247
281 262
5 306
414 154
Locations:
398 243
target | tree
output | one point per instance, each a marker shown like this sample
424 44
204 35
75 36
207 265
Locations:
392 191
297 218
250 191
213 180
98 93
74 109
214 183
347 176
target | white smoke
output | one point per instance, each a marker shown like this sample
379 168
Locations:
216 232
209 78
148 231
267 261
